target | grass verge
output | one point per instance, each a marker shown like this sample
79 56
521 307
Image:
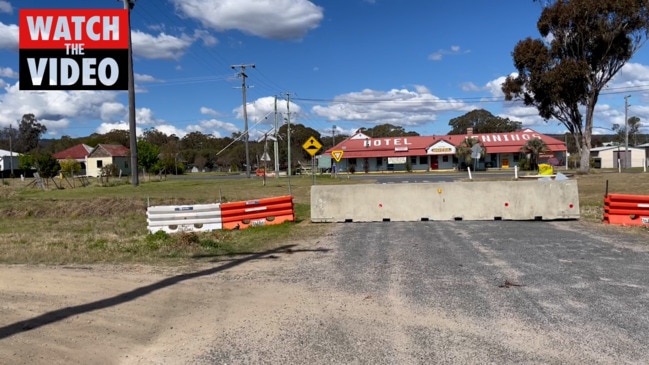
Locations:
107 224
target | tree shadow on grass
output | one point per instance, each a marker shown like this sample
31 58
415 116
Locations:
63 313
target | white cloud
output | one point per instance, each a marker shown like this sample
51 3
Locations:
632 77
278 19
8 72
144 116
439 55
59 110
107 127
261 110
5 7
209 111
111 111
9 36
518 112
169 130
399 107
469 86
421 89
215 127
53 106
161 46
208 39
53 126
494 87
145 78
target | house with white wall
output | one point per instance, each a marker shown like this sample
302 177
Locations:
8 161
609 157
108 154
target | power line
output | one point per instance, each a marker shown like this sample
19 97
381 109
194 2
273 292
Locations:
270 81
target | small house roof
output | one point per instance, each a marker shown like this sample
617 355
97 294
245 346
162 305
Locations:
608 148
78 152
8 153
113 150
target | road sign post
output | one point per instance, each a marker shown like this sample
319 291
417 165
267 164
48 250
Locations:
476 153
337 155
312 146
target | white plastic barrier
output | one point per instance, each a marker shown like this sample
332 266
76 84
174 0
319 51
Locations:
185 218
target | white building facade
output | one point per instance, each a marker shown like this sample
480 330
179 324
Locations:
612 157
8 161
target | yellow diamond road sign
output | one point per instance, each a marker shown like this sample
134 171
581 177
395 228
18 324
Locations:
312 146
337 155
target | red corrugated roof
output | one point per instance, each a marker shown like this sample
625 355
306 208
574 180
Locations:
384 144
115 150
513 140
77 152
416 146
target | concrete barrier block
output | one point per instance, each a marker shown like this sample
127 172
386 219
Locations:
487 200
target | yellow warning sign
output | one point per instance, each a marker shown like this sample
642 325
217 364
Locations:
337 155
312 146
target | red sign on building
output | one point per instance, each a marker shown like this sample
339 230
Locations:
73 49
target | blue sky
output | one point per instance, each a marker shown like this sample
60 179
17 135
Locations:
348 64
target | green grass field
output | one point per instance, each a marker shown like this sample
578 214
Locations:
107 224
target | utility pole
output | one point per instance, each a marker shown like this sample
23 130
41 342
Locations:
129 5
626 131
11 151
288 129
243 76
265 155
275 144
333 135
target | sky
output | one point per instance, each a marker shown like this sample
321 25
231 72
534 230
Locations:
334 66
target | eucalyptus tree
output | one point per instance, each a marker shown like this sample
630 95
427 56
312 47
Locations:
583 44
28 134
482 121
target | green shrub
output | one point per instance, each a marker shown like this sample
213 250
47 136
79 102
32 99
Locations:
524 164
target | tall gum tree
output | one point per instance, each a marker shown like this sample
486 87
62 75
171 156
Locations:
584 44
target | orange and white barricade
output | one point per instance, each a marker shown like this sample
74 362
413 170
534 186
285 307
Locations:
260 212
626 209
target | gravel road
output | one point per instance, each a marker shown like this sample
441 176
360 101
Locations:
376 293
456 293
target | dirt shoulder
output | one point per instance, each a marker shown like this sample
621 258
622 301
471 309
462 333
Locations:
124 314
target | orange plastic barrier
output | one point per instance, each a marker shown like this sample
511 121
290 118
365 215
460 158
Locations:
626 209
262 172
267 211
